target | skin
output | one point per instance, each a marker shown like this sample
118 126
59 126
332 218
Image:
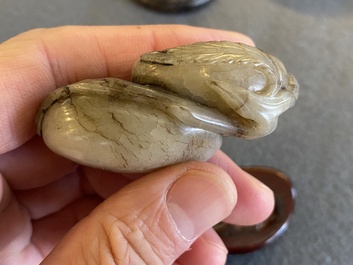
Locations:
80 215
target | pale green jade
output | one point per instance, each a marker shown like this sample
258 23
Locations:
180 103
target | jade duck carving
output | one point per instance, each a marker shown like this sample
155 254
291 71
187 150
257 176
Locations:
179 104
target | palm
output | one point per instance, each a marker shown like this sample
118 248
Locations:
37 215
43 195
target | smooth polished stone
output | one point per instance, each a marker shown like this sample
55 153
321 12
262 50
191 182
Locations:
249 86
179 105
242 239
120 126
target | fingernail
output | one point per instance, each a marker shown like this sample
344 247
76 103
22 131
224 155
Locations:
198 200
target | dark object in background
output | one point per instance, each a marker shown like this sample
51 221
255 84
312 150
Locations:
173 5
242 239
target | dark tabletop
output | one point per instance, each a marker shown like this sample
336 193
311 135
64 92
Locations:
313 143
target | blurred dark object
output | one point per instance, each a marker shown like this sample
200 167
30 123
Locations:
173 5
242 239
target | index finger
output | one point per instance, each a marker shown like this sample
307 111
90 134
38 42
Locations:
36 62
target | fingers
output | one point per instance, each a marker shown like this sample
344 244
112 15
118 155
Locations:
36 62
208 242
6 196
15 225
40 167
33 165
153 220
255 200
24 243
43 201
49 230
104 183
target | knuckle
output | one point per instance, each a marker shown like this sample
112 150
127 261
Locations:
138 240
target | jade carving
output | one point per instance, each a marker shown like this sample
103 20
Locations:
180 103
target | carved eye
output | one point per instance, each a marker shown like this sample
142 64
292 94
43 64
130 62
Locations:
256 83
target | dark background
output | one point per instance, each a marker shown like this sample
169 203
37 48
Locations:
313 143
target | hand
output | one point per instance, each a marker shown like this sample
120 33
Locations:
57 212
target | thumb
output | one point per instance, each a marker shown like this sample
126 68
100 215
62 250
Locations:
153 220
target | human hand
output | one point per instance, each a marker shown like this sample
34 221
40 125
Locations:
81 215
